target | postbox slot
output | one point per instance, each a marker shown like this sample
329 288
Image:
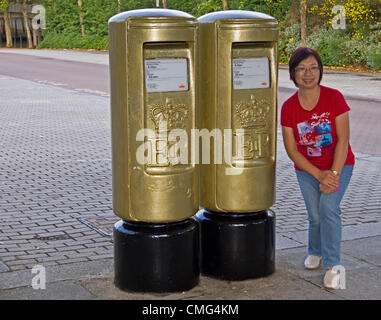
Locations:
165 45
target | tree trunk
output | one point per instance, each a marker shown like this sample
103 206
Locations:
165 6
8 32
26 23
81 18
118 6
225 4
303 20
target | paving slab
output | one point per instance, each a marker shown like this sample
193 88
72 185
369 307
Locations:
367 250
63 290
23 278
280 285
283 242
3 267
360 284
293 260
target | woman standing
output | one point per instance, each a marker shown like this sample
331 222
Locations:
315 128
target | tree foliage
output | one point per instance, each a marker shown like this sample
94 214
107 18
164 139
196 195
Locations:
359 14
63 15
3 4
337 46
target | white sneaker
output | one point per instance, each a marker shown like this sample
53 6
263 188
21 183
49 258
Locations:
312 262
333 279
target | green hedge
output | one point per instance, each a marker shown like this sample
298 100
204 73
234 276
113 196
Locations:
335 47
74 40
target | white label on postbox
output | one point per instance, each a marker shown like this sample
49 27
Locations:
251 73
164 75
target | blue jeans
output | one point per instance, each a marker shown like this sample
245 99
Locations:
324 216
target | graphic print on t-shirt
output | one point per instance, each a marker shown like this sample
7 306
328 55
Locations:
315 134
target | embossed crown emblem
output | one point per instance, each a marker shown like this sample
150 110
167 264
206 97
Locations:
173 114
253 113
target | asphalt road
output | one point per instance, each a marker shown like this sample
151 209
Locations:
93 78
85 77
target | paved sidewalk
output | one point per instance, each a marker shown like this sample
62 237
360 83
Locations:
56 205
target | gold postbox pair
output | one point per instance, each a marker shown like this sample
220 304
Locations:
178 85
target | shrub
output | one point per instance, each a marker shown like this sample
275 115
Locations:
329 44
373 56
335 47
288 42
354 52
292 35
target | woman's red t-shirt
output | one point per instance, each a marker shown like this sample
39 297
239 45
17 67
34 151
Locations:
315 130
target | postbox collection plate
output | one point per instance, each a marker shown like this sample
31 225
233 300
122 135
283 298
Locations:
251 73
166 75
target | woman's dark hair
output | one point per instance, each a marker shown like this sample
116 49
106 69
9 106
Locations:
299 55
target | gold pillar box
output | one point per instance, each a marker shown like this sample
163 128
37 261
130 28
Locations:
238 89
153 58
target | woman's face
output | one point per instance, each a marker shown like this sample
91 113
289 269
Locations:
307 73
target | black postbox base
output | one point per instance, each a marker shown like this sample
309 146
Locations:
152 257
237 246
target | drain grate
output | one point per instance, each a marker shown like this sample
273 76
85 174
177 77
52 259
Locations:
52 238
103 224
